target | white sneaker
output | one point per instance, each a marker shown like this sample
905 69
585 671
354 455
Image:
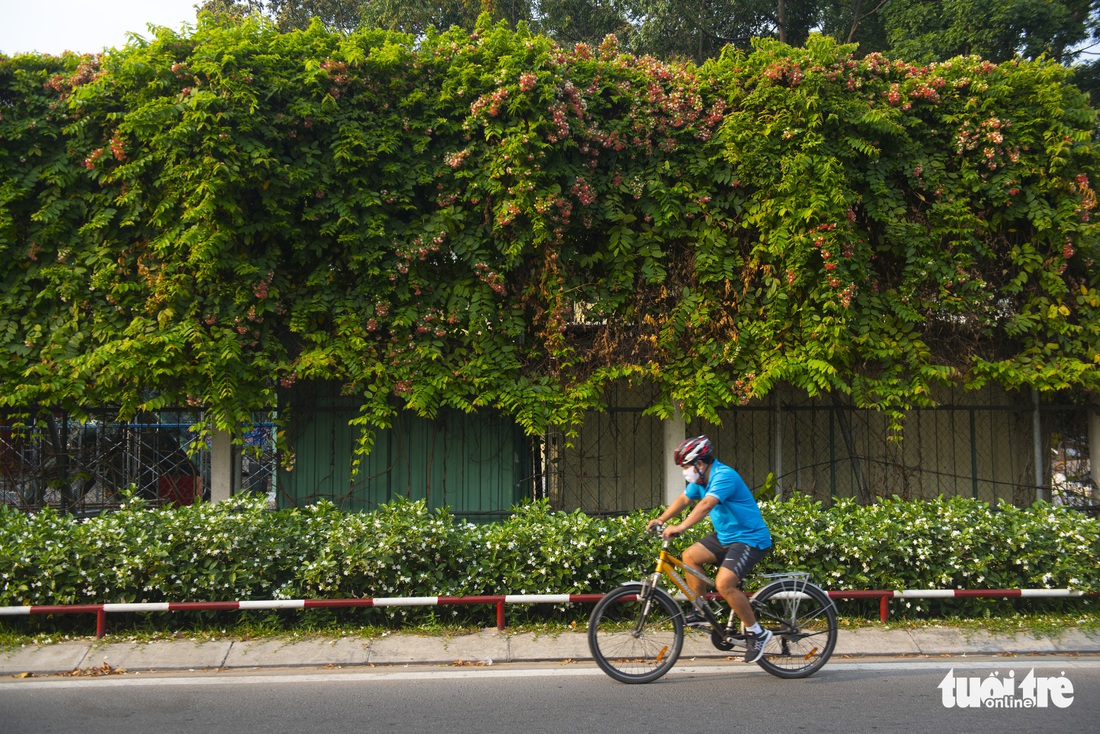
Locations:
755 645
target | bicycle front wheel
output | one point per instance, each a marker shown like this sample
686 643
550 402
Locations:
634 639
802 619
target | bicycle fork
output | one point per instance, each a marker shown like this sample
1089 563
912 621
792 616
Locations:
646 595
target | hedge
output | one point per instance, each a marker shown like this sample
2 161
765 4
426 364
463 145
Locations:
239 550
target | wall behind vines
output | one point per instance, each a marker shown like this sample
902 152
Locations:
489 220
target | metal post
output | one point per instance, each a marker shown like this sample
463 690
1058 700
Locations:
778 468
1037 446
1094 444
973 457
832 451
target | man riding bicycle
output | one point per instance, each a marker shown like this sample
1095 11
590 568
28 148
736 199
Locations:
740 538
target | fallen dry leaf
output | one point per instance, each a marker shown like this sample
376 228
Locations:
98 670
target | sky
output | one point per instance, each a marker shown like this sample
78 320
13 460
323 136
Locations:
84 26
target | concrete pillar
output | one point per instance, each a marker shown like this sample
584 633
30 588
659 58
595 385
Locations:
225 467
675 431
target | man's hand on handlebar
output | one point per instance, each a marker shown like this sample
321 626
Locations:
665 531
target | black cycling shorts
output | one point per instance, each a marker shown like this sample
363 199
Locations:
737 557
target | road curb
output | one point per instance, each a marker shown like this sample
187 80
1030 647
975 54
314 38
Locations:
486 647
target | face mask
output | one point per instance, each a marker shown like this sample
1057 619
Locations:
691 475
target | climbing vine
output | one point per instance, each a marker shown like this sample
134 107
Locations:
489 220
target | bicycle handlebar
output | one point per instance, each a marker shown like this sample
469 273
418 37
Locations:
658 529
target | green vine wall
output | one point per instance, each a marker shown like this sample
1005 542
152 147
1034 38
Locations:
488 220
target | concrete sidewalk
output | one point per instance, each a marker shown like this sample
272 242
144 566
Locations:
486 646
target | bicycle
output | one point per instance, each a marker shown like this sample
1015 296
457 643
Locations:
636 632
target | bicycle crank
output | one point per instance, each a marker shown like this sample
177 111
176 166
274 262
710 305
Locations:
721 642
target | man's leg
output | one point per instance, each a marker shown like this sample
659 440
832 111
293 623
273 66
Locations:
738 562
697 556
728 582
736 565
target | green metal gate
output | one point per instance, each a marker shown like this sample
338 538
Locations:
477 464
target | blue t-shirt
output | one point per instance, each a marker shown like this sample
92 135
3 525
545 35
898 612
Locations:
736 517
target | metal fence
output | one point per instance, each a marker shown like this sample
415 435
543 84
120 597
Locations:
989 445
613 465
82 467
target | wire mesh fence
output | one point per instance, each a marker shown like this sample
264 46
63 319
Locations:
1071 483
82 467
990 445
612 466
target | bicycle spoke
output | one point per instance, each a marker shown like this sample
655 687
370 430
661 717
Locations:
804 628
628 643
636 632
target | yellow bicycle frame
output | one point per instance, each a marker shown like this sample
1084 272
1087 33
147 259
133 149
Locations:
671 567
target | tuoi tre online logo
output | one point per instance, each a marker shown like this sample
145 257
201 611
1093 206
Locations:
993 691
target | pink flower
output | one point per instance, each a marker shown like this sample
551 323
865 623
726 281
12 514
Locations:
454 160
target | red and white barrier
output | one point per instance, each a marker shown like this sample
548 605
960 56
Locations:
102 610
884 597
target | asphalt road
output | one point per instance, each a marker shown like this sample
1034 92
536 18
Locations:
898 695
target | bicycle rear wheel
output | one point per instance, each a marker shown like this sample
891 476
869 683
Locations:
636 640
802 619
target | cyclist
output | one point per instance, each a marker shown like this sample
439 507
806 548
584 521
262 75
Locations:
740 538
